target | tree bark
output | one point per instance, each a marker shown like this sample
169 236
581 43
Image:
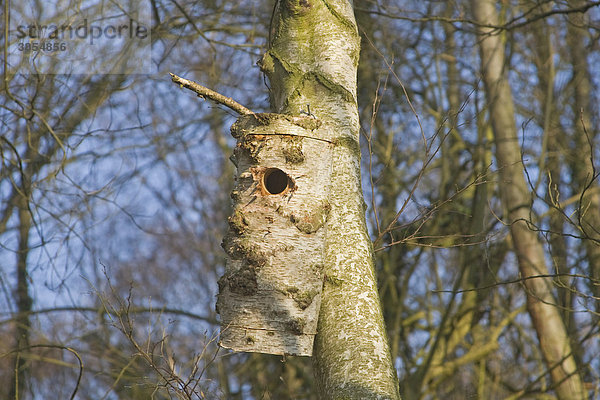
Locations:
582 161
311 65
24 303
268 301
546 318
552 165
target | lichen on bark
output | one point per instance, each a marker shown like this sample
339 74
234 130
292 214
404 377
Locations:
293 150
311 220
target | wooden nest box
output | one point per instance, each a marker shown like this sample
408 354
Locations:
270 294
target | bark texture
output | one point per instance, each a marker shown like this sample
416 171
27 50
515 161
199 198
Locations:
545 316
270 295
311 65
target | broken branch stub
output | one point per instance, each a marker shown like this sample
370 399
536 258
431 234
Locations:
270 294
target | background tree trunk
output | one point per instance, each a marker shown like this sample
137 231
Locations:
312 62
545 316
23 300
582 158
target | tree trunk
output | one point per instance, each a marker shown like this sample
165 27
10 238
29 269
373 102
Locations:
551 165
40 153
311 65
546 319
586 184
23 300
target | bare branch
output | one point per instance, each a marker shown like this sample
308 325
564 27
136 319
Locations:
205 92
521 279
518 21
96 310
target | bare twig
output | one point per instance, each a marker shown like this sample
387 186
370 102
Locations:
522 279
59 362
528 17
205 92
133 310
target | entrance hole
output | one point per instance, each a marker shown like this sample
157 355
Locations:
275 181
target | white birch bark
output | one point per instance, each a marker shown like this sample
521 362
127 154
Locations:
270 294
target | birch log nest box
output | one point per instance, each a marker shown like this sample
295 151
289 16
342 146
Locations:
270 294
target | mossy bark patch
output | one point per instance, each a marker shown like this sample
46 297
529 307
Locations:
310 221
292 150
242 281
305 298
